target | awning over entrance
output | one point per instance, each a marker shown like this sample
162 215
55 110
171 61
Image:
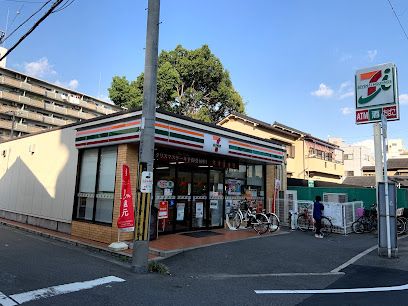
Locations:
180 132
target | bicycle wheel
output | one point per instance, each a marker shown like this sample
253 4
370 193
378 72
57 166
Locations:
304 223
273 223
234 220
327 226
261 224
357 227
400 226
368 225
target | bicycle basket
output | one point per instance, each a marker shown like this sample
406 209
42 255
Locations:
359 212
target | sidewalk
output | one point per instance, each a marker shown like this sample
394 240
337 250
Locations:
164 246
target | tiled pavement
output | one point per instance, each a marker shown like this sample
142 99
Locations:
164 246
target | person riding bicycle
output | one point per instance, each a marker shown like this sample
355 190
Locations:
317 216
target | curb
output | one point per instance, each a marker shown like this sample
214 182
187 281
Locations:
170 253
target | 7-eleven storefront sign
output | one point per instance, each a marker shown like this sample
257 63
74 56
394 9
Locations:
376 94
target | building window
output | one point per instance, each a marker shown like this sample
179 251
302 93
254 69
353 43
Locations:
290 151
96 185
348 156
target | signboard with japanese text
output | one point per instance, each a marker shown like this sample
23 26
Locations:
376 93
146 183
126 220
163 210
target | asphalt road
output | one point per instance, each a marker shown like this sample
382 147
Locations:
224 274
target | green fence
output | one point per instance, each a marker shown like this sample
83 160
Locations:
367 195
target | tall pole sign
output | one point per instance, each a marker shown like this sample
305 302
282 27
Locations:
376 94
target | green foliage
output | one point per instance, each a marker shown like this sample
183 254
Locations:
158 267
125 94
189 82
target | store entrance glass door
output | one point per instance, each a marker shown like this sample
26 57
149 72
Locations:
200 201
216 198
183 201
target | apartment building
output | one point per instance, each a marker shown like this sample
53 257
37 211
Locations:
355 157
29 105
307 157
396 148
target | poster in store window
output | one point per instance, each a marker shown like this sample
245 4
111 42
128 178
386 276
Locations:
180 211
199 209
214 204
228 206
234 186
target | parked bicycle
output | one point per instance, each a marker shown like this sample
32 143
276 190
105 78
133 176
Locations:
402 222
258 221
273 220
367 220
305 222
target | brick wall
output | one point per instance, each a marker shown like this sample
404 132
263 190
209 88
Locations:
127 153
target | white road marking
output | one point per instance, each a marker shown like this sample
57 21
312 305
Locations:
354 259
6 301
62 289
320 291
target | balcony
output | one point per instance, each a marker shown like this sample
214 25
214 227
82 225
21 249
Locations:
22 85
324 166
4 80
21 99
18 127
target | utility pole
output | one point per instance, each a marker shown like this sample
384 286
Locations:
146 148
12 125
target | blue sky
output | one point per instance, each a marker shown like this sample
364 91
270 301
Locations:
291 61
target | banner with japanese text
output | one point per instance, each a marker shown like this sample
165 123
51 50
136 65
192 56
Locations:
126 220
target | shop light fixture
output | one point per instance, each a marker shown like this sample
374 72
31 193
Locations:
162 168
173 163
202 166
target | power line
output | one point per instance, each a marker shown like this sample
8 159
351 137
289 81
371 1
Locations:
64 6
52 8
396 16
25 21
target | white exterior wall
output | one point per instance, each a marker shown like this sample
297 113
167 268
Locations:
361 157
396 149
38 174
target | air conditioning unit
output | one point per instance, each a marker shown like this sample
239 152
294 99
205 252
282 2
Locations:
335 197
64 97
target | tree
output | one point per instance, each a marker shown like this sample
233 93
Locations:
125 94
189 82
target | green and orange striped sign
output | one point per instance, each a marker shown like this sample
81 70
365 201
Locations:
181 135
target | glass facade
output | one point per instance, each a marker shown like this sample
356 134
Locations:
96 188
197 191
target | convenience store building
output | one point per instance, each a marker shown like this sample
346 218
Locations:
69 179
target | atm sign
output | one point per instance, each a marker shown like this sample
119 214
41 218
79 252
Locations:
374 114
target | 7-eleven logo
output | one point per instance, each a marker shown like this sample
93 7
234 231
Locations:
217 143
375 82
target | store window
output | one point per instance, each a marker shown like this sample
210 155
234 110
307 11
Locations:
255 181
96 185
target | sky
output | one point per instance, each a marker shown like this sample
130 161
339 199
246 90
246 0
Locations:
292 61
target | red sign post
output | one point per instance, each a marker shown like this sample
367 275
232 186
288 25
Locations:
126 220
